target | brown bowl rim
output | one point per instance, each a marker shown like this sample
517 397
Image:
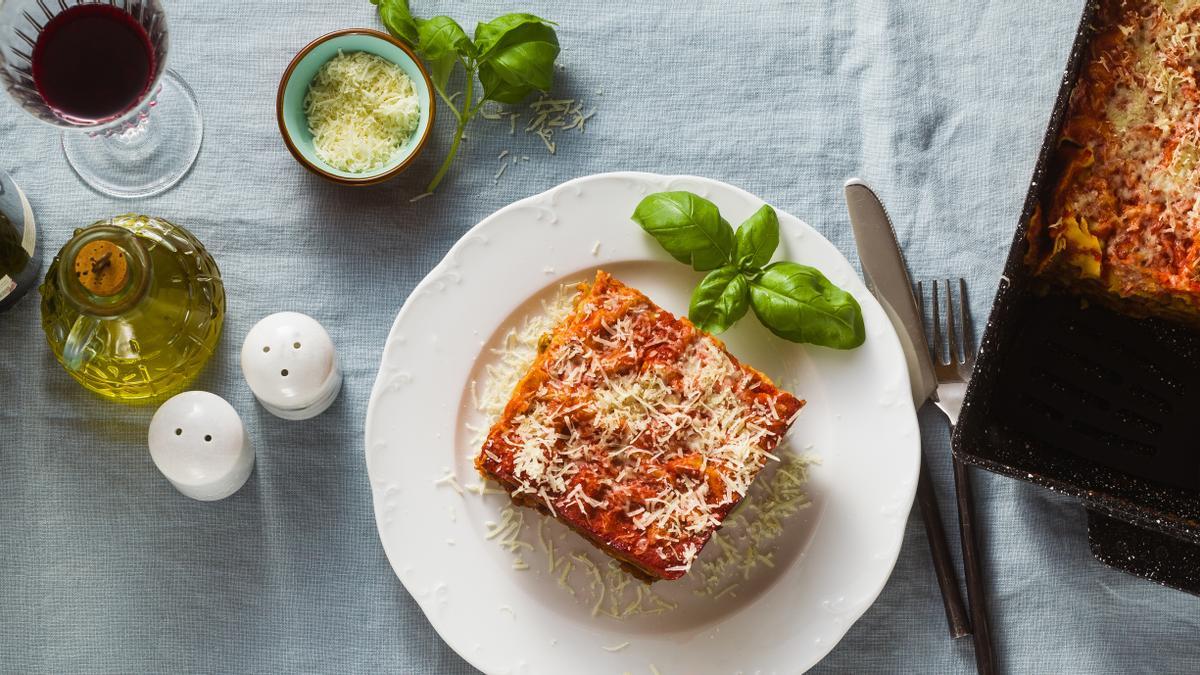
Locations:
342 180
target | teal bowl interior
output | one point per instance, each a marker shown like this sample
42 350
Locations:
295 123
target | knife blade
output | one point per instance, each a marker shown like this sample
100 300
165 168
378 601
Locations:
887 278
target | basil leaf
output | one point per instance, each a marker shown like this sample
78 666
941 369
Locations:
494 32
441 69
689 227
495 88
399 21
523 60
797 303
757 239
722 298
442 37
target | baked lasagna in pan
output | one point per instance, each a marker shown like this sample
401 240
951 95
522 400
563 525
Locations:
1120 221
635 429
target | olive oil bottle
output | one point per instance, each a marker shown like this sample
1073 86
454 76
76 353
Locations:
133 307
19 262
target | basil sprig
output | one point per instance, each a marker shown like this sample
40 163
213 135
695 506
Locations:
512 56
794 301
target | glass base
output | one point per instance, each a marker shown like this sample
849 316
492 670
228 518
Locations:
148 155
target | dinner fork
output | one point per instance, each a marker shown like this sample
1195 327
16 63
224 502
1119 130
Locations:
953 358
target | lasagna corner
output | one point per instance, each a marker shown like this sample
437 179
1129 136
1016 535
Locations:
1119 221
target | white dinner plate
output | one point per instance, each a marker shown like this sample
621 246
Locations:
826 568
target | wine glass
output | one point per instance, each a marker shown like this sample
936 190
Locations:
97 69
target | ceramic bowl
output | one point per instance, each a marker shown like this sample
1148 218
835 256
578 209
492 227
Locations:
289 103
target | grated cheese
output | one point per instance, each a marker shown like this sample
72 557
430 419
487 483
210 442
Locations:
508 530
484 489
450 480
547 116
516 352
746 542
361 109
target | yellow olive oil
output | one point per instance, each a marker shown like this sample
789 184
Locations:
133 307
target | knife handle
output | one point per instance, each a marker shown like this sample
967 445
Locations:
943 564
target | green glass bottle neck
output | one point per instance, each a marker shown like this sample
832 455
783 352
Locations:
104 271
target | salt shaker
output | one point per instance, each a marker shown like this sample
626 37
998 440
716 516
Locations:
291 366
198 442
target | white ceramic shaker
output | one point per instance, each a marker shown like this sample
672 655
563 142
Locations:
291 366
198 442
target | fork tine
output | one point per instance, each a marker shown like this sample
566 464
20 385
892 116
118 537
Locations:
936 343
951 329
964 312
920 292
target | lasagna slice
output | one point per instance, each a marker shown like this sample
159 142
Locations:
1120 221
635 429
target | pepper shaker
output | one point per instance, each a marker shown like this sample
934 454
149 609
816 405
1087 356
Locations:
290 363
198 442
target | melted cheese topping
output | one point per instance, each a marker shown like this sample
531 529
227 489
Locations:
1123 217
636 429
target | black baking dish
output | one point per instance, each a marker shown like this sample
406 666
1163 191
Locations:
1091 403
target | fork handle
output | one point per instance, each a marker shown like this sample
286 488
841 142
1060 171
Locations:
985 658
943 564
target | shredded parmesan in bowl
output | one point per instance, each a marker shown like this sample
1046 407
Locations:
361 110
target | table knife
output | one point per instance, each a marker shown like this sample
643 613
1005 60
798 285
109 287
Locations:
887 279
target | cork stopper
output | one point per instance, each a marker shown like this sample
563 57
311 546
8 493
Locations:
101 268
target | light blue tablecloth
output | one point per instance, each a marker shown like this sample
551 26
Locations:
940 104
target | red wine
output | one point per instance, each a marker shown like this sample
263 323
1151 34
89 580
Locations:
92 62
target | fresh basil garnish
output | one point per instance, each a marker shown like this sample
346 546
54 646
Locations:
722 298
795 302
442 37
689 227
399 21
512 56
512 30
